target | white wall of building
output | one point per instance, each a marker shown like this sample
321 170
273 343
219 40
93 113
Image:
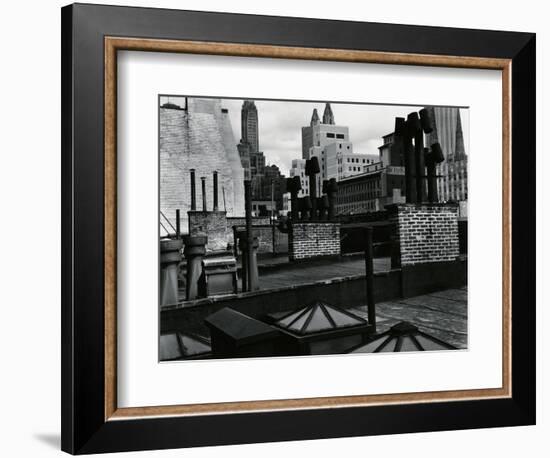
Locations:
334 149
298 169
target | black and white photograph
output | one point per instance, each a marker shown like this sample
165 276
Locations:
295 228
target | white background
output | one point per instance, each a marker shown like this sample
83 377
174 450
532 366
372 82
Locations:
142 381
30 246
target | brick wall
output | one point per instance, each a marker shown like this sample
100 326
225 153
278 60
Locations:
425 233
265 235
265 238
211 224
241 221
219 230
313 239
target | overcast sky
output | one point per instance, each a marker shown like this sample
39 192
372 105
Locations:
280 125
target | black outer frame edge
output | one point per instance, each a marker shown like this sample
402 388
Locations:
67 412
298 31
174 432
524 217
83 427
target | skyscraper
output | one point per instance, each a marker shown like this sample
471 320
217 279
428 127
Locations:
331 144
307 134
307 131
452 182
249 125
252 159
328 117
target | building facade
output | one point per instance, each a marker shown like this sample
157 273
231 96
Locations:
331 144
257 163
273 186
371 191
388 154
298 169
287 204
263 208
197 134
244 155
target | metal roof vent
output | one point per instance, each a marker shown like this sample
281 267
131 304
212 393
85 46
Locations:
403 337
318 317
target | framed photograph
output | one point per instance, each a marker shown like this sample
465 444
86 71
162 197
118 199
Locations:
270 222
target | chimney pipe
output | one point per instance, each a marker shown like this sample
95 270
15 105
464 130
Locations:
332 190
193 191
251 241
215 191
312 169
409 159
203 184
294 185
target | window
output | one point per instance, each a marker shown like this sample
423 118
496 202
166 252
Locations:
330 135
339 135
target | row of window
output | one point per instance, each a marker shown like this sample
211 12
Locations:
340 146
369 185
332 135
357 208
364 196
356 160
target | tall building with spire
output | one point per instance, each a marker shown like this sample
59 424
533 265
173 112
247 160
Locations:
249 125
315 118
452 182
331 144
328 117
252 159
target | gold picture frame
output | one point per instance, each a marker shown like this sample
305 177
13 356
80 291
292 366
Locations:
115 44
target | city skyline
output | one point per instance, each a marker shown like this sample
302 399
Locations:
280 125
